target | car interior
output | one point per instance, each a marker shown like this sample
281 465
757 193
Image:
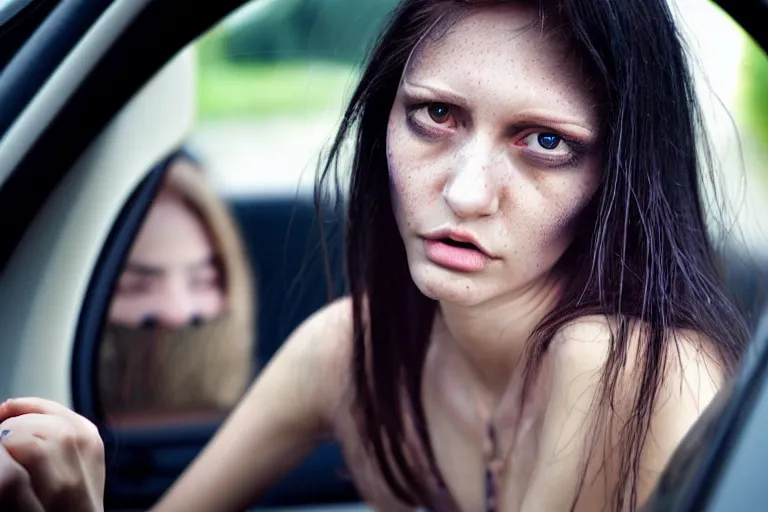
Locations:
94 95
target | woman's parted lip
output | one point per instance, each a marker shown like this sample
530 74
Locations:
459 236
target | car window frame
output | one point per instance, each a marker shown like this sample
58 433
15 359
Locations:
45 46
19 19
18 85
11 8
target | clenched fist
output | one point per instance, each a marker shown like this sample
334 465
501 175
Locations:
51 459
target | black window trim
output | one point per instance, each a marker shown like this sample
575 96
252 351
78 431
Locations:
11 8
45 49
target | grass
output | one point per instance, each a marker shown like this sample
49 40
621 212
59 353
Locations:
229 89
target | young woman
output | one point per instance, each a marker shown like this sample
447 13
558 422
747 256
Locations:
535 318
179 339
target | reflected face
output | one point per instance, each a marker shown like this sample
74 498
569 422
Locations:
170 278
492 153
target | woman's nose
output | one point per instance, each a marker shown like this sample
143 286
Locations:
177 308
472 190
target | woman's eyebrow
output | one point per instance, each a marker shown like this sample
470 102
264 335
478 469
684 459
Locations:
434 90
204 264
580 127
144 269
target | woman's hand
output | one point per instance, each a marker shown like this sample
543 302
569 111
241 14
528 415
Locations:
51 459
15 486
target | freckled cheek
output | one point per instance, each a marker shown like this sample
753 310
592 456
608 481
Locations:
409 179
569 209
409 195
549 219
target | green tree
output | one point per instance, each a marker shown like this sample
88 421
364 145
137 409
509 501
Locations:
754 89
332 30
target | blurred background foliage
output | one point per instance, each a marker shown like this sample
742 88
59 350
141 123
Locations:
286 56
293 56
754 90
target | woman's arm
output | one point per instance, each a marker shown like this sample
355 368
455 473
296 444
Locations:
281 419
571 429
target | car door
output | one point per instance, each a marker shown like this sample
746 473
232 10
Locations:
102 121
87 109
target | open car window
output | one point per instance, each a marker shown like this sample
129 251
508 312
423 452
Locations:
265 112
251 100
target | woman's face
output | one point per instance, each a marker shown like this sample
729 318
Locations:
170 278
491 146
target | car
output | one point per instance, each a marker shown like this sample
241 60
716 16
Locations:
93 95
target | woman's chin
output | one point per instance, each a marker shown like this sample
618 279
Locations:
443 285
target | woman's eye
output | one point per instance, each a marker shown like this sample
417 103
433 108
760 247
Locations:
546 142
130 287
205 281
439 112
432 120
205 285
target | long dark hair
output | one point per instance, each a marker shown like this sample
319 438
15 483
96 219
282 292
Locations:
646 258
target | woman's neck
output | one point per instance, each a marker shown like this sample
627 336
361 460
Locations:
491 336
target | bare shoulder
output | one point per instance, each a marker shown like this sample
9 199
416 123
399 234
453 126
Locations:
690 377
307 379
690 359
324 339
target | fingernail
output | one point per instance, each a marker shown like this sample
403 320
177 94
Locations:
4 434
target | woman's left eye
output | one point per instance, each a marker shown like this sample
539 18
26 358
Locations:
205 280
544 140
550 149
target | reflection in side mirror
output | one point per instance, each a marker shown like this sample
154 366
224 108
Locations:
178 340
